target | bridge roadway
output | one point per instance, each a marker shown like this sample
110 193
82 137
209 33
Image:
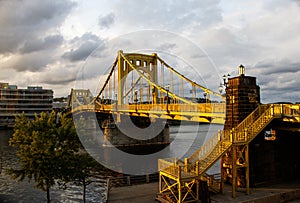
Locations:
198 112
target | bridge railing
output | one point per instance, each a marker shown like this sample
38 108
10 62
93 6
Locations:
240 133
177 169
257 120
287 109
209 145
199 107
169 166
206 148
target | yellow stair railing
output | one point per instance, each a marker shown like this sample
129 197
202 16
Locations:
194 167
217 145
247 130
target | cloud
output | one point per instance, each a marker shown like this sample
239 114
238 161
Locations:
49 42
269 67
106 21
22 21
278 79
33 62
171 15
29 36
166 47
82 52
37 40
59 74
82 47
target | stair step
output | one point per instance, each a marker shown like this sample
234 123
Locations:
256 125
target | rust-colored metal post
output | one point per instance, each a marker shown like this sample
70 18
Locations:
234 171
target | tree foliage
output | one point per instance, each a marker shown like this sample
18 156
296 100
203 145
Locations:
46 149
84 171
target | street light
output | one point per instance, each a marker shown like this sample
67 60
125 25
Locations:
224 85
153 94
221 88
205 98
225 79
167 88
135 99
205 95
116 97
230 98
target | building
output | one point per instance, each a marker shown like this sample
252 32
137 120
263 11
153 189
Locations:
14 101
60 104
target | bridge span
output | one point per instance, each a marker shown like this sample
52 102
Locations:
147 86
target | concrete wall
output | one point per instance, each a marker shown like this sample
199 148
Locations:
114 136
277 198
275 161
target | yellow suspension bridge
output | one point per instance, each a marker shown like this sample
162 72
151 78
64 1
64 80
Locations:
147 86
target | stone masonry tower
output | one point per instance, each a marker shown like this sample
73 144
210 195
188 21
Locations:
242 97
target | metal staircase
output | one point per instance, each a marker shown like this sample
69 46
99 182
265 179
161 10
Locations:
175 174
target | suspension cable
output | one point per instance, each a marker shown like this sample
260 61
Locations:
107 79
188 80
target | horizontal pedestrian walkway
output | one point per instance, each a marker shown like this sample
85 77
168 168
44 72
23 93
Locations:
146 193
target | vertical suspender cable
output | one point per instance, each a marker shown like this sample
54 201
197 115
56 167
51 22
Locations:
181 88
141 90
132 88
171 83
115 93
162 75
194 91
110 89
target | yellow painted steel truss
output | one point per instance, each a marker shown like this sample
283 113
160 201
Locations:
145 66
233 145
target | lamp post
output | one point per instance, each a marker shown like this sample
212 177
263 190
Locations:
205 98
230 98
221 88
153 95
231 102
167 88
135 99
116 97
225 80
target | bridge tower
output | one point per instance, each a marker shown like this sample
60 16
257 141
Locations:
146 64
242 97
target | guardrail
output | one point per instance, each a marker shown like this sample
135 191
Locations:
177 169
213 181
197 107
260 117
127 180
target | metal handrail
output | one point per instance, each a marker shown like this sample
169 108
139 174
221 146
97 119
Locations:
206 148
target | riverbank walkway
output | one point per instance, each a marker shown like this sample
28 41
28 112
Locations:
146 193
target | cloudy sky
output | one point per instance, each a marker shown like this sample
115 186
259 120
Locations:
47 42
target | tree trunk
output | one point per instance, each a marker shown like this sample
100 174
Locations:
84 188
48 195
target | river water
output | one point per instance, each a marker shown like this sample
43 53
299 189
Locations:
188 139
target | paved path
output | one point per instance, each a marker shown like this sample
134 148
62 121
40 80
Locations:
146 193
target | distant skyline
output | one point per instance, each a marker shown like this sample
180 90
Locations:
46 43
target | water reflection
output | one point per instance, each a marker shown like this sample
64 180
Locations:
188 139
12 191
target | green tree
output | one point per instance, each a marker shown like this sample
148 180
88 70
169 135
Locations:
84 170
45 149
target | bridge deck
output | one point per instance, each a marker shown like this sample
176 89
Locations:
202 112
